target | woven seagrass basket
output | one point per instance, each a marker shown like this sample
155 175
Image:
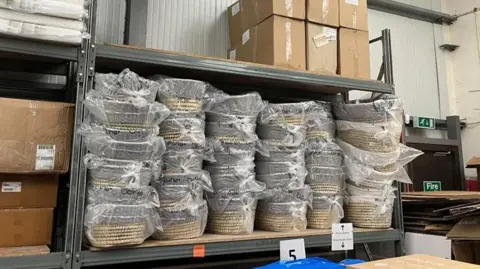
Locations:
182 161
183 130
325 211
328 180
122 150
245 105
366 215
281 217
282 135
231 132
328 156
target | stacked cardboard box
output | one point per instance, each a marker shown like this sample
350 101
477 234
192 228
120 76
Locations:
36 143
321 36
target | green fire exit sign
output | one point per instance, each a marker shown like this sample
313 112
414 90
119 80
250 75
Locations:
423 122
432 186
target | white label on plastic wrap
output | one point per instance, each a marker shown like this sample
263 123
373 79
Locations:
235 9
291 250
352 2
245 37
11 186
342 236
233 55
45 159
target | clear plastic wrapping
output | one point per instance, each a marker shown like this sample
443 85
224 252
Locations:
120 173
114 225
122 195
46 22
401 154
281 216
237 182
329 180
189 131
294 194
288 135
104 145
183 221
132 112
369 208
181 94
47 7
267 168
220 104
320 123
119 133
325 211
183 161
241 169
330 155
385 108
285 114
231 213
36 31
282 154
125 85
235 131
232 154
283 180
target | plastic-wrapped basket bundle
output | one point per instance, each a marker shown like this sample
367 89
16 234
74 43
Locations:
369 208
120 216
221 106
328 180
119 133
231 212
189 132
371 125
120 173
328 155
181 95
320 124
183 160
326 210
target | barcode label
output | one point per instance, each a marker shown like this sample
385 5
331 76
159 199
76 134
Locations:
11 186
45 159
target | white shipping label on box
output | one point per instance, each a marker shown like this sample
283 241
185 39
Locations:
235 9
245 37
342 236
233 55
352 2
11 186
291 250
45 159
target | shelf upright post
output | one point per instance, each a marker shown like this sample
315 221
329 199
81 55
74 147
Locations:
88 75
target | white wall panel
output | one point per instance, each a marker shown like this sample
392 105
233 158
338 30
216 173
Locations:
197 27
110 24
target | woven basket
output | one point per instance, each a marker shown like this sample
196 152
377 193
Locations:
183 222
284 180
124 85
182 161
328 156
387 107
231 213
233 154
125 133
183 130
281 217
237 132
122 196
368 141
328 180
107 236
387 168
283 135
282 154
237 182
221 170
120 173
103 145
282 114
249 104
325 211
366 215
229 118
267 168
180 88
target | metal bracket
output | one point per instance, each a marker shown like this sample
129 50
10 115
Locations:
81 66
91 60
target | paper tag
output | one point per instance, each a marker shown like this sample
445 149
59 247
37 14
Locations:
320 40
198 251
45 159
245 37
291 250
352 2
11 186
342 236
330 33
235 9
233 55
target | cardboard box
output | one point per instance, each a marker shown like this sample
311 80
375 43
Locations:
418 261
28 191
276 41
354 54
321 49
466 251
324 12
36 136
474 163
25 227
354 14
245 14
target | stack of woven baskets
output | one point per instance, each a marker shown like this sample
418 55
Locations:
282 129
125 155
325 165
369 133
183 210
231 125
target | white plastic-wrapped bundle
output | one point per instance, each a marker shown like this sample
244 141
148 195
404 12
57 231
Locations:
231 212
55 8
328 180
326 210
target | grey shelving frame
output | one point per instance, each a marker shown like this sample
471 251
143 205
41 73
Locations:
288 84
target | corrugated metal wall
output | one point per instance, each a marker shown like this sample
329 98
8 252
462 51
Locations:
196 27
110 24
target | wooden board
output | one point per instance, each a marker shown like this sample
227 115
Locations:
217 238
443 195
24 251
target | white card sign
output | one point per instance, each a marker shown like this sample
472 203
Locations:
342 236
291 250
